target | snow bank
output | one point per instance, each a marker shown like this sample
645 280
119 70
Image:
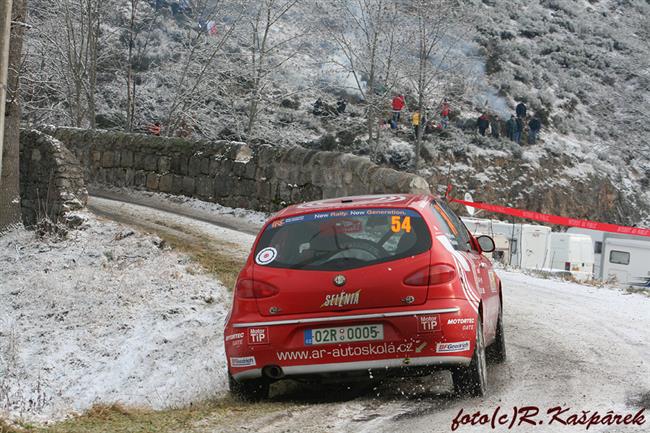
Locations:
105 316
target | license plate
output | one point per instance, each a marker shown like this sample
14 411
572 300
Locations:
344 334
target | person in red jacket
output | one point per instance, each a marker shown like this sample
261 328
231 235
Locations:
398 105
444 114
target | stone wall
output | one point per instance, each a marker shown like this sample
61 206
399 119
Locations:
258 177
51 179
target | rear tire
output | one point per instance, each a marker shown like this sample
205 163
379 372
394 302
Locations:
472 380
497 351
251 390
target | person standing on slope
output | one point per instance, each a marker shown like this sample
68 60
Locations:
520 109
519 129
534 127
415 121
483 122
444 114
397 105
511 126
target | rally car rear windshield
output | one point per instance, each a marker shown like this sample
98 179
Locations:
342 239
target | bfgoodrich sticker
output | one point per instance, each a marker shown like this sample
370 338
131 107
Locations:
459 346
246 361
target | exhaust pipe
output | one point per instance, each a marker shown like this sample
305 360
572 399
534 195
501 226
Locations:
273 372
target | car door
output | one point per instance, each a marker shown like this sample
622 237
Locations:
480 270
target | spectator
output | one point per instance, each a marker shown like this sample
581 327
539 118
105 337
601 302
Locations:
483 122
444 114
534 127
397 105
521 110
511 126
341 105
519 128
318 107
415 121
494 125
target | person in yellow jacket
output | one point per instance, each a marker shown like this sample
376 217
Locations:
415 121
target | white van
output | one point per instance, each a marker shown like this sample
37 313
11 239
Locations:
597 243
626 259
571 252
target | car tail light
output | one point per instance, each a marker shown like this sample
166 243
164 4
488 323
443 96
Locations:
567 266
254 289
434 274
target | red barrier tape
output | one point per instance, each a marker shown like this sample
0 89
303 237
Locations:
552 219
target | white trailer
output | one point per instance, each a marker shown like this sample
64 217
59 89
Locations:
571 252
527 242
626 259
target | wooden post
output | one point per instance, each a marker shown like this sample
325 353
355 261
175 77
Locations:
5 31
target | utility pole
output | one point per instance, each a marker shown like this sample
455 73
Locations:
5 31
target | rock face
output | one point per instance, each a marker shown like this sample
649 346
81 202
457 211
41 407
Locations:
51 178
234 174
544 181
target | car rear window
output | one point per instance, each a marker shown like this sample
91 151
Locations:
342 239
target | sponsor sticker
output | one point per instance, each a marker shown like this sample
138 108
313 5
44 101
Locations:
245 361
428 323
266 256
237 336
461 321
258 335
459 346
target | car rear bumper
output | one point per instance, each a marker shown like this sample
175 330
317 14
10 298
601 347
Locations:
439 334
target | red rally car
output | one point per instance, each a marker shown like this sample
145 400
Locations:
391 284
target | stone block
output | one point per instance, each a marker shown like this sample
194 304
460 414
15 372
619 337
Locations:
194 167
150 162
164 164
177 184
165 184
153 180
107 159
204 187
126 159
188 185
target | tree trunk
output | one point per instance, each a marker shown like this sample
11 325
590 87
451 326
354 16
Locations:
10 180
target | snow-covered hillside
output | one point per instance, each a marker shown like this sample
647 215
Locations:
581 66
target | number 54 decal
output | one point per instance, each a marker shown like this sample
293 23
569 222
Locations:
397 223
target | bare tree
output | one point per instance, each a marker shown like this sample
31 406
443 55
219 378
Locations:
367 33
264 50
10 177
436 32
204 63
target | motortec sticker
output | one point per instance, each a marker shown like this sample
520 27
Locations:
258 335
237 336
428 323
266 256
461 321
246 361
460 346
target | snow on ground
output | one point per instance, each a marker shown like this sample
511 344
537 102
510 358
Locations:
200 207
105 316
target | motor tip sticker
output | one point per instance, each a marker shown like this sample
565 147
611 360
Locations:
266 256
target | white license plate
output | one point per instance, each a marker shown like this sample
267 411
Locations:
344 334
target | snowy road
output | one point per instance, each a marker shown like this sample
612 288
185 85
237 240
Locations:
573 346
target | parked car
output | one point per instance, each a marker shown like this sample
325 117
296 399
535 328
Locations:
394 285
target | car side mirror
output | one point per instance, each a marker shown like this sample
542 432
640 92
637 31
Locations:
486 243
